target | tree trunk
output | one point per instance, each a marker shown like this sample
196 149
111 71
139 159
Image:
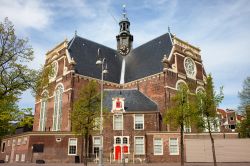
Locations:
182 145
86 138
212 142
81 157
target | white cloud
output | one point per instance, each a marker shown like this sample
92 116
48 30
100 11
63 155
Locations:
25 14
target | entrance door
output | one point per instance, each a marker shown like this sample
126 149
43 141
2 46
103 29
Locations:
117 152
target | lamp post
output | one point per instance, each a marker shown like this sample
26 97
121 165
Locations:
101 61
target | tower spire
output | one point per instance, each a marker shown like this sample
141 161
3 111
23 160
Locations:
124 12
124 38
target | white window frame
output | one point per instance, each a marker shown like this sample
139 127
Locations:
135 121
96 145
17 157
72 145
187 129
23 157
177 153
13 142
25 140
161 145
143 153
57 115
19 141
97 123
115 117
7 158
43 111
178 84
8 142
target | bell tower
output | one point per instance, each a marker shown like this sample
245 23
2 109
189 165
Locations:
124 39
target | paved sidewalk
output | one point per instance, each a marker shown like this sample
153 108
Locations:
149 164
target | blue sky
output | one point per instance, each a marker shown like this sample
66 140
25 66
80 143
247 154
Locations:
220 28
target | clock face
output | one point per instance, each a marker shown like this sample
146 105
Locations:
124 50
190 67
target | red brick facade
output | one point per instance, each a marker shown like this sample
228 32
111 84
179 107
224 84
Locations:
159 87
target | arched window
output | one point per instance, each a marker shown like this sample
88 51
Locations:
118 140
180 83
200 89
57 116
42 122
125 140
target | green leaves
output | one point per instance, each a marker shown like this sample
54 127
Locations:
244 95
15 76
207 103
181 112
244 127
86 109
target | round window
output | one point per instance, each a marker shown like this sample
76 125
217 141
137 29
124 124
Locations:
190 67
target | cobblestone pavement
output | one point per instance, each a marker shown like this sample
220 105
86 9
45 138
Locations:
149 164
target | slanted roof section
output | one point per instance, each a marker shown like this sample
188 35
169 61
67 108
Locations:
134 100
84 53
145 60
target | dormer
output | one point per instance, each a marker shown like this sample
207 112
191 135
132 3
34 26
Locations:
118 105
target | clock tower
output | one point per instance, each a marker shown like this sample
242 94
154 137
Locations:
124 39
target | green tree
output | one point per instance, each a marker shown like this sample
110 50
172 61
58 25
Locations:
15 76
86 110
25 118
181 113
244 95
8 114
207 103
15 54
42 80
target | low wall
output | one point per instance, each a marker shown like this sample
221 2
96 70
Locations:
227 150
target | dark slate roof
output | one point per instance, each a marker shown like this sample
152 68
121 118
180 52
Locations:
134 100
84 53
145 60
142 61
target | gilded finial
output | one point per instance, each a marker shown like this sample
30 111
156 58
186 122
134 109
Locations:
124 11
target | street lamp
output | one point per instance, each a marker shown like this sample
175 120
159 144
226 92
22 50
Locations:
101 61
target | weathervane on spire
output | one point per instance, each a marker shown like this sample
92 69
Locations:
124 11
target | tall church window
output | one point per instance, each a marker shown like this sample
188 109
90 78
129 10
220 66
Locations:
42 122
180 84
57 116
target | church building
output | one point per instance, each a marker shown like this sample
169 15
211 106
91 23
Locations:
137 88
